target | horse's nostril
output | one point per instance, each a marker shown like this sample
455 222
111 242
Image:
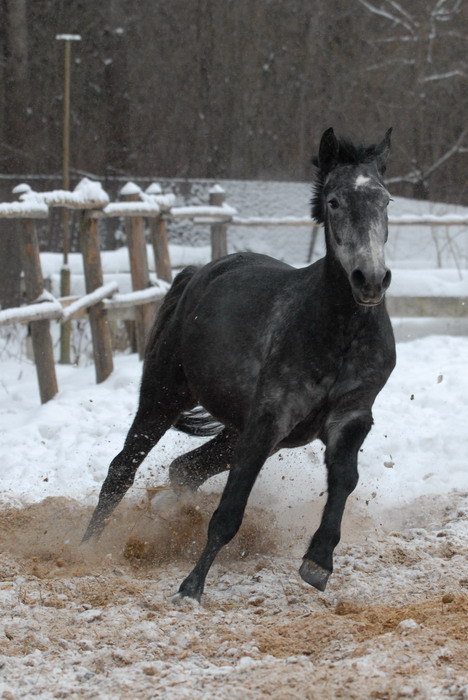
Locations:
387 278
358 279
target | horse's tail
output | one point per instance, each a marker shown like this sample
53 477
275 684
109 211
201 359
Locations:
198 422
167 307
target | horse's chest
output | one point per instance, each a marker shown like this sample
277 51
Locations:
317 396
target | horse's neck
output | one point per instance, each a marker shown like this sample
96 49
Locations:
336 286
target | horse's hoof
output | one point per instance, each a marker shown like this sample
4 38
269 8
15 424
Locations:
181 599
314 574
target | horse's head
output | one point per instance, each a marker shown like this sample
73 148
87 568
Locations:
351 201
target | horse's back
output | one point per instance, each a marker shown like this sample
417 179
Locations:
238 289
235 269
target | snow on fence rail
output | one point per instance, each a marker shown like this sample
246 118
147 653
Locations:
135 207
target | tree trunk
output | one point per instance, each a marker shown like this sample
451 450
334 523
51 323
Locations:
16 141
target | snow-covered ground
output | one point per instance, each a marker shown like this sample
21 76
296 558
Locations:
419 443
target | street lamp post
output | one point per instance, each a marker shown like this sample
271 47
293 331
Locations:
65 286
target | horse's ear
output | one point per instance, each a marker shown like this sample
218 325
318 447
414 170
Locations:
328 151
382 151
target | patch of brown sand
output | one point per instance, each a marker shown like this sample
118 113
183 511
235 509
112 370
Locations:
312 634
106 611
45 537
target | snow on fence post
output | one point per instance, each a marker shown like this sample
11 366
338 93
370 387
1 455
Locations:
135 227
102 344
40 330
218 230
158 228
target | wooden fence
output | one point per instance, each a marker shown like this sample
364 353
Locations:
100 299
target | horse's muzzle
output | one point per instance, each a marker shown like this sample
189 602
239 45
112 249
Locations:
369 286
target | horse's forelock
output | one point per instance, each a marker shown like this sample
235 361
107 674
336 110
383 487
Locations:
348 154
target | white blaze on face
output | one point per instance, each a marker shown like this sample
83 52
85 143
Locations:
361 180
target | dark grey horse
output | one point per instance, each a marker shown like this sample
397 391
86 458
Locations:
279 356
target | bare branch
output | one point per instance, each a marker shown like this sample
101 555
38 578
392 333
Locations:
402 11
418 175
443 76
448 154
390 62
382 12
390 39
441 13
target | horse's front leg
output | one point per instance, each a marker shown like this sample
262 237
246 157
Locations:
343 437
253 448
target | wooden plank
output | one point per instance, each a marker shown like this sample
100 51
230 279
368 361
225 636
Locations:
218 230
102 344
431 307
40 330
139 271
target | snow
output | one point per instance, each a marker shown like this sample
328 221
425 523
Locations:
130 188
68 37
148 208
88 300
139 297
201 211
274 221
217 189
443 220
420 427
88 194
430 283
28 209
154 188
31 312
164 201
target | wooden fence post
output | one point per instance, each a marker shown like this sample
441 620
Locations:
158 227
40 330
162 260
102 344
218 230
139 270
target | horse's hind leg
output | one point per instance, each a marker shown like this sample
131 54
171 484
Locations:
157 411
194 468
253 448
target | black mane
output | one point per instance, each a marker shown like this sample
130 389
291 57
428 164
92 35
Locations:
348 154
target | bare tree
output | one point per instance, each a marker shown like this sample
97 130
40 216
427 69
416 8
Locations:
419 57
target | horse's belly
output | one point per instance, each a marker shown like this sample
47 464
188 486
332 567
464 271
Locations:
306 431
225 388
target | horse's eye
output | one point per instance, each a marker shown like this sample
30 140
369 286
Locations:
333 203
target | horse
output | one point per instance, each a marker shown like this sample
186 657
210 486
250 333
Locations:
260 355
